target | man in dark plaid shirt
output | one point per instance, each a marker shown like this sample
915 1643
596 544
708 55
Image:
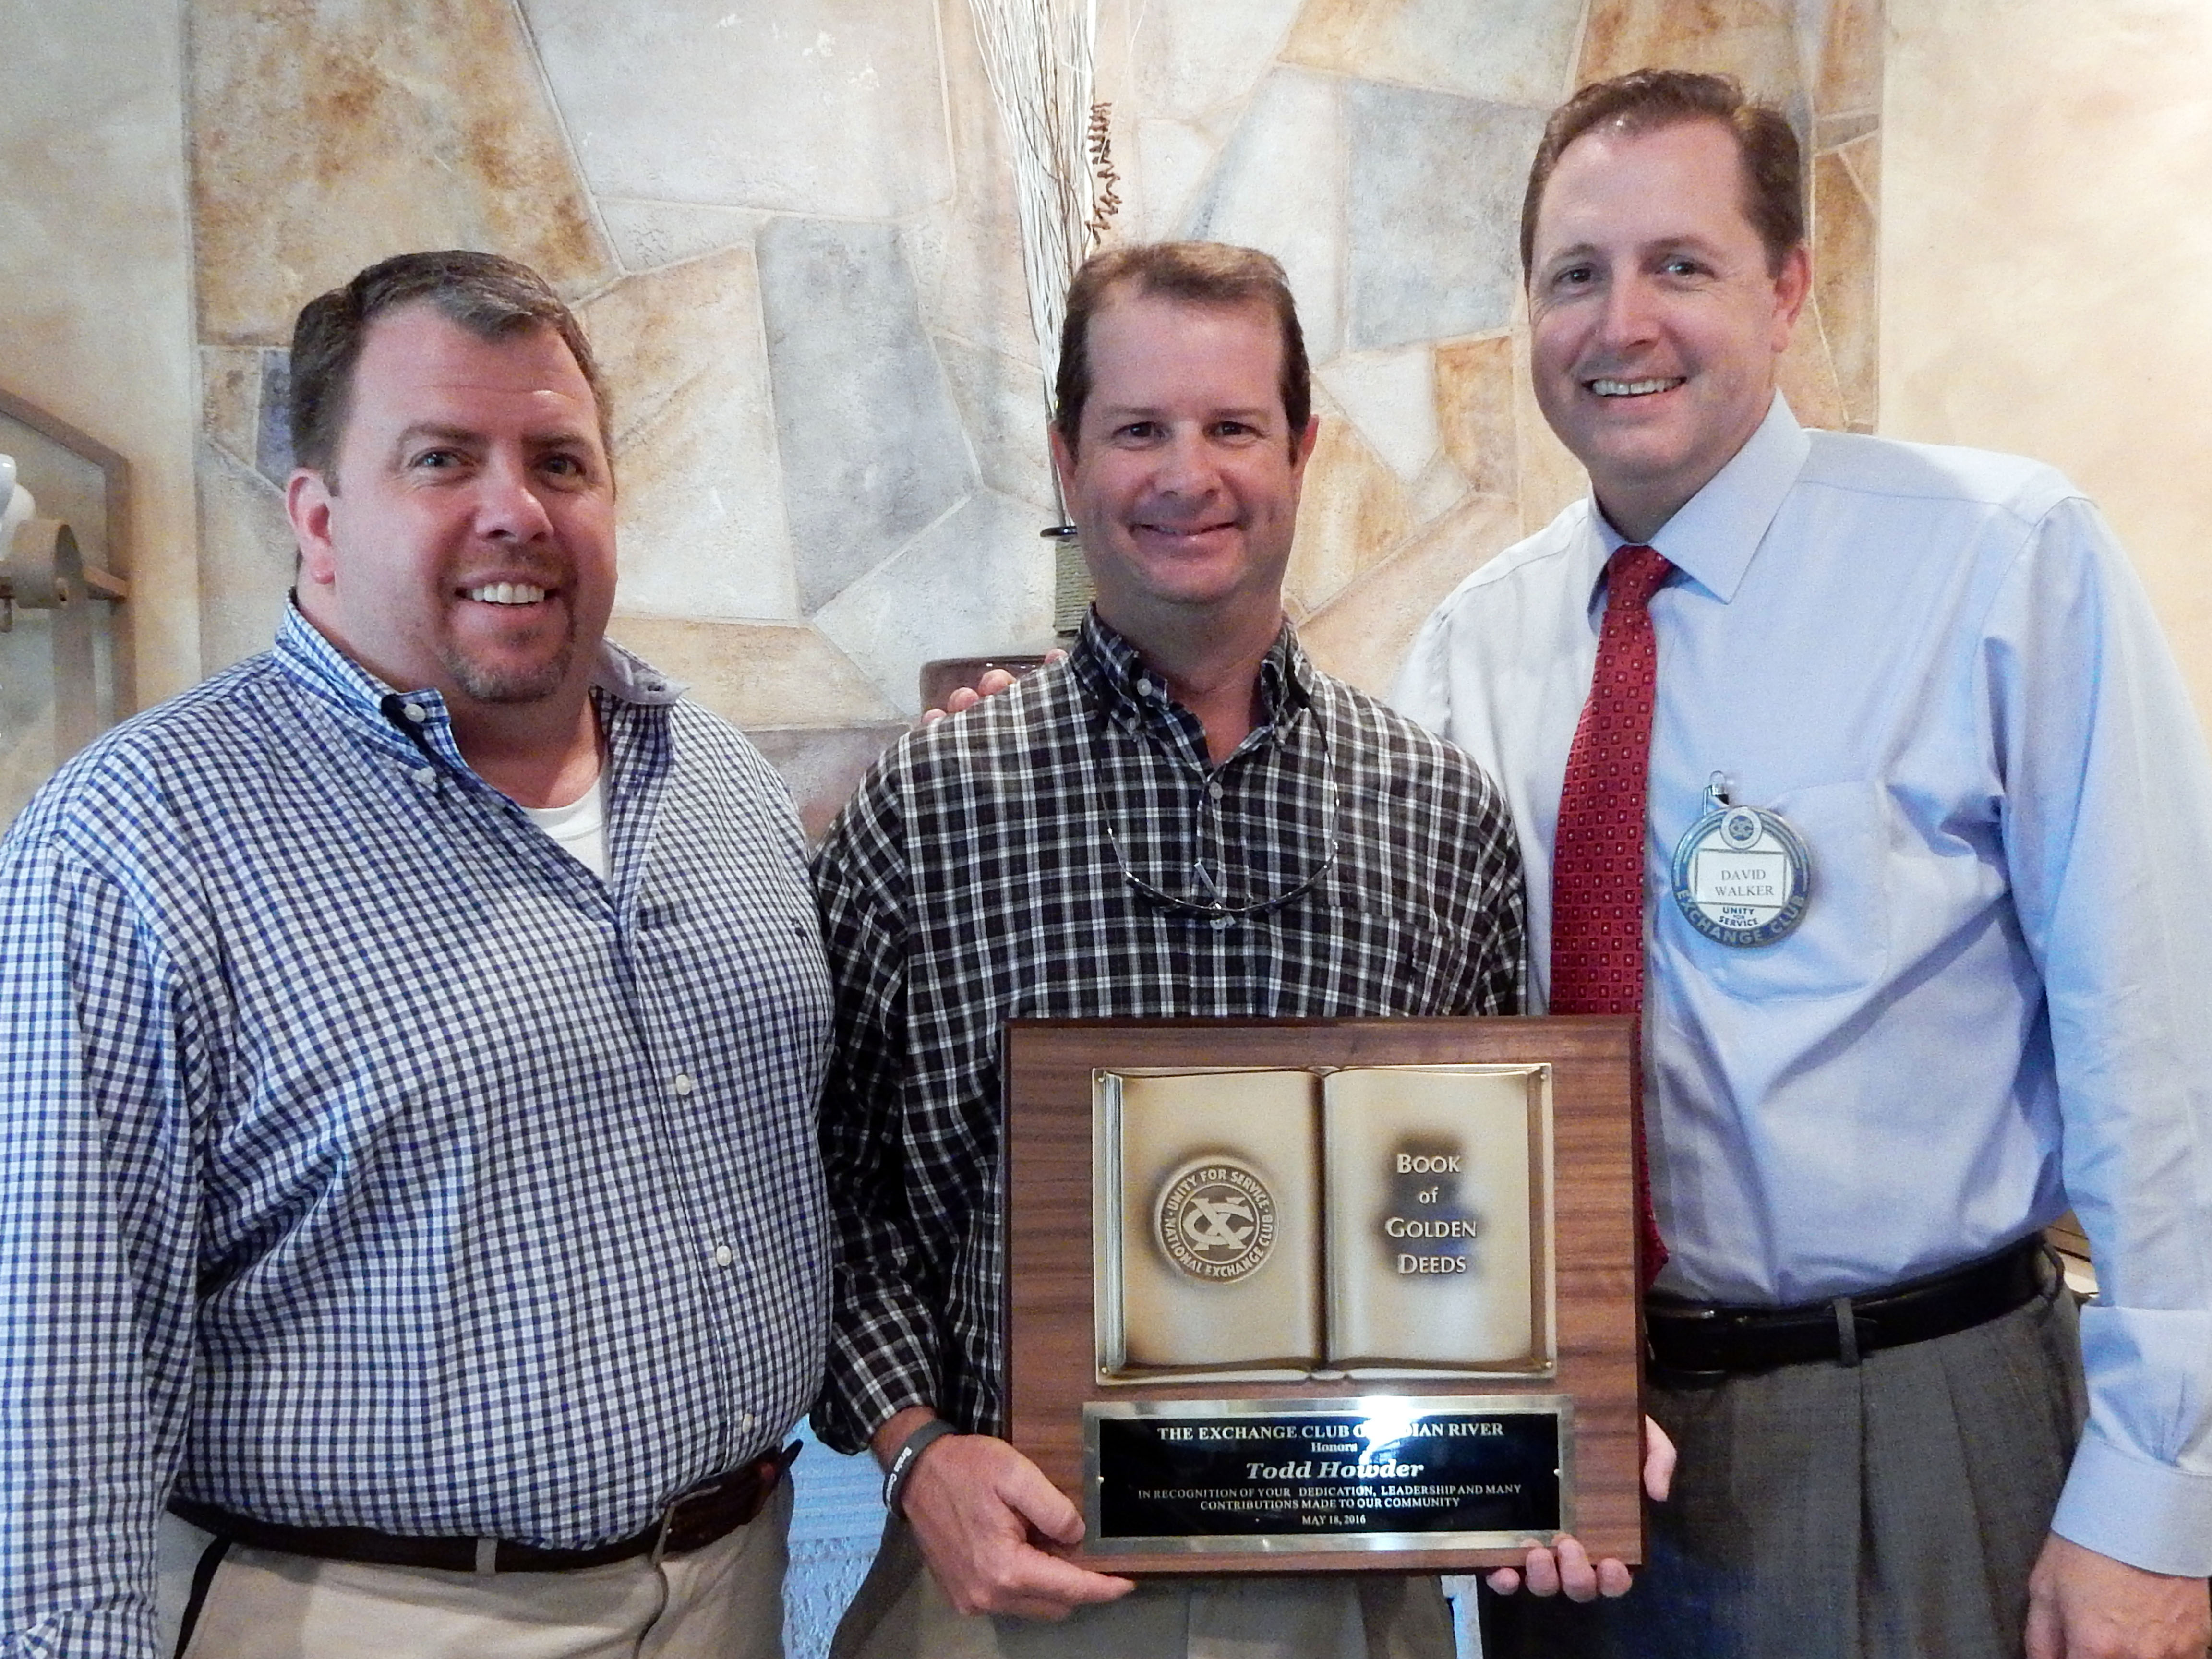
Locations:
1184 817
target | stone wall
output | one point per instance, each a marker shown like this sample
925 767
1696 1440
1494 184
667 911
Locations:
2047 260
95 328
790 230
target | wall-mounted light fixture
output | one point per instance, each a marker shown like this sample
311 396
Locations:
65 661
41 566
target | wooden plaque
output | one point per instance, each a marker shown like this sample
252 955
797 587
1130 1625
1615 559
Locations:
1326 1295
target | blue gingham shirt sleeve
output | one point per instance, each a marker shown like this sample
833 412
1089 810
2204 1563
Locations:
97 1265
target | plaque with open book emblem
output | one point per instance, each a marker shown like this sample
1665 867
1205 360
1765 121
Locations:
1316 1295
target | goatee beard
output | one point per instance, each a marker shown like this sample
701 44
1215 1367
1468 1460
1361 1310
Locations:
532 684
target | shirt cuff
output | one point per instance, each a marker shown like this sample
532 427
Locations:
2149 1515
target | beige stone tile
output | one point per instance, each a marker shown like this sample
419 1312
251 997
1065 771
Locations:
1834 131
1806 374
1353 511
325 137
230 400
978 582
1864 157
755 673
1754 40
1390 395
1002 401
1431 211
1362 634
1171 160
823 764
1510 51
1809 19
1846 278
1280 186
1551 476
246 560
1851 58
1440 488
833 106
656 333
870 439
1190 57
703 531
1474 409
648 235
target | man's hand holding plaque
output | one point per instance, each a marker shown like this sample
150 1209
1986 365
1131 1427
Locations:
1567 1569
987 1519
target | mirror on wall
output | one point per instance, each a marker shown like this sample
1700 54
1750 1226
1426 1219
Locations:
64 676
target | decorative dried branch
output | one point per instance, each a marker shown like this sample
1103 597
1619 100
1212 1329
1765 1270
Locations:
1040 57
1105 203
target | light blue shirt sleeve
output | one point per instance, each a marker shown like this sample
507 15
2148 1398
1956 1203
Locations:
2107 832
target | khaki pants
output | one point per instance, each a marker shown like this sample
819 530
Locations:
724 1601
900 1614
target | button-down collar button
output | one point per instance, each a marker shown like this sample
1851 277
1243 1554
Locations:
415 712
724 1256
424 775
1146 687
682 1083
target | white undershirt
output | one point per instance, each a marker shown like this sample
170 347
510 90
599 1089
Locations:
581 827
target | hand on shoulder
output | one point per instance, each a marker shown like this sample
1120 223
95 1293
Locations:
964 697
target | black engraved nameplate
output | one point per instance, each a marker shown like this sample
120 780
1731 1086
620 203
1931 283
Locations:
1382 1472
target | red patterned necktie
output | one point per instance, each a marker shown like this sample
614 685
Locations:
1597 856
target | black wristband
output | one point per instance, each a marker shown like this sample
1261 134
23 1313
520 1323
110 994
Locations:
901 1468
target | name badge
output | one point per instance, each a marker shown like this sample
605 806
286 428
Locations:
1741 874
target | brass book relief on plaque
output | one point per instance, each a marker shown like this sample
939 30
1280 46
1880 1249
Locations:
1262 1224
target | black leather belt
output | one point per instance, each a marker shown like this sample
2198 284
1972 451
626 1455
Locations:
1711 1338
708 1511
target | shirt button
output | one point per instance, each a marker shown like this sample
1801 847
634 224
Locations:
415 712
682 1083
1146 687
424 775
724 1256
1213 790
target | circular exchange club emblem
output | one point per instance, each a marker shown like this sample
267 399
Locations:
1217 1221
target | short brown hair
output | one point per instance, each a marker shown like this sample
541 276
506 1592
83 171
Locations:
491 297
1193 273
1650 99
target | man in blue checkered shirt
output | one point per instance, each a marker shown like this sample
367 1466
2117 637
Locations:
409 1044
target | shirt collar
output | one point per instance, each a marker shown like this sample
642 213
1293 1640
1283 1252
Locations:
1108 666
308 656
1712 538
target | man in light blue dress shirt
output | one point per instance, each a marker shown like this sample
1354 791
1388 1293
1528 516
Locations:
1936 667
